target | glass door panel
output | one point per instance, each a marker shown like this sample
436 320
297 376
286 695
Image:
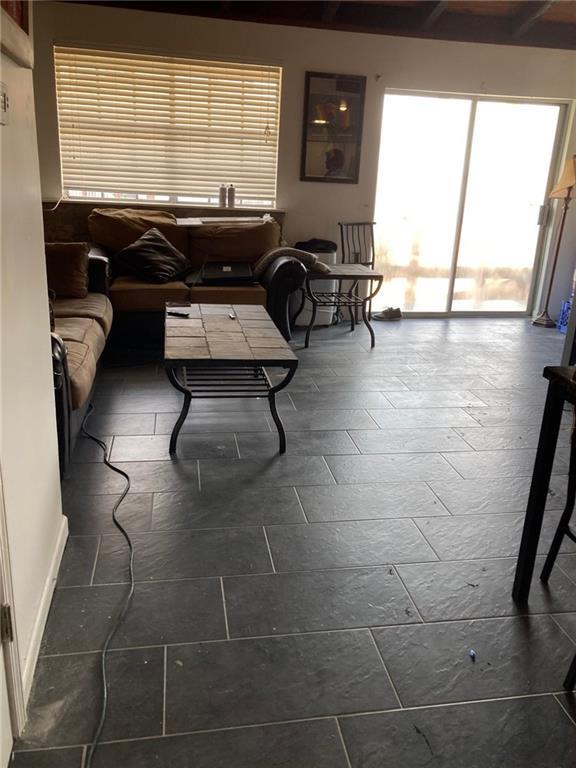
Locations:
422 154
510 160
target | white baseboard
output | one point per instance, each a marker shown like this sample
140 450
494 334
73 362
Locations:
43 608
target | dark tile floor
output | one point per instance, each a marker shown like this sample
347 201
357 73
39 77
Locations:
317 610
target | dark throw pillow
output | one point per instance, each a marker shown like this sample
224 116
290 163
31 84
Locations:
67 269
152 258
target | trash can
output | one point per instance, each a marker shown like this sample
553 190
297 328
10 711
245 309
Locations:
326 252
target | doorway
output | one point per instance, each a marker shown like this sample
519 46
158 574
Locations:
461 185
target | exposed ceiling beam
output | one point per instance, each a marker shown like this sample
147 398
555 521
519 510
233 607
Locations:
527 16
433 13
329 12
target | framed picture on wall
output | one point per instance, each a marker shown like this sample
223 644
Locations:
16 31
332 132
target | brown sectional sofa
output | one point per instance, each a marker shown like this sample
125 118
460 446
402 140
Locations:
139 305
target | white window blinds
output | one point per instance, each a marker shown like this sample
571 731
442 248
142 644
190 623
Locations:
164 128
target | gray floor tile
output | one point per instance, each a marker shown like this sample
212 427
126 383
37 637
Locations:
78 561
435 399
471 537
515 733
213 509
305 602
479 589
445 383
165 555
322 420
408 441
514 414
52 758
66 698
568 623
506 438
347 544
277 471
488 464
145 477
568 565
359 384
309 443
431 664
214 422
500 397
87 450
160 613
215 685
419 418
156 447
328 401
506 494
312 744
101 424
390 468
93 514
328 503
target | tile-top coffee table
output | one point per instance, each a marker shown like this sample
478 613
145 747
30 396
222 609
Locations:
224 350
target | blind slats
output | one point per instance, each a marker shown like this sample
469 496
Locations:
143 124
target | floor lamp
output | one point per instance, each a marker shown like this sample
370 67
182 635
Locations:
563 190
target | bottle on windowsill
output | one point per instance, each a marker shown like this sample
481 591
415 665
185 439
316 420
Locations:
222 196
231 196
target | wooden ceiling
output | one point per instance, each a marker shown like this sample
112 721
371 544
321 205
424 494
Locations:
550 24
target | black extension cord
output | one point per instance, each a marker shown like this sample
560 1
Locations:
128 598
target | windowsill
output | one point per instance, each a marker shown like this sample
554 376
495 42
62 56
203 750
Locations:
157 204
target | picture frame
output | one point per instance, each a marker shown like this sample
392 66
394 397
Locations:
16 31
332 128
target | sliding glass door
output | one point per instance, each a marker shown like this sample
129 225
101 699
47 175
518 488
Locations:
460 184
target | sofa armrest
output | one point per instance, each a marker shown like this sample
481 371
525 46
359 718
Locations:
98 270
284 276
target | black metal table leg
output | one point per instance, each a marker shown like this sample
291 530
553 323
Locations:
367 324
312 299
171 372
538 492
274 410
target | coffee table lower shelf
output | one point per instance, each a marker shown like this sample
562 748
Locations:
224 380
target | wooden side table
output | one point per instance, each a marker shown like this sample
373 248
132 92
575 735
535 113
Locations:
351 299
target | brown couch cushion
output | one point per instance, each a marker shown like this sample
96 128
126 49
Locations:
232 294
67 269
82 370
232 242
128 294
84 330
95 305
117 228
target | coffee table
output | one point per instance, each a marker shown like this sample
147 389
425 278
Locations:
224 350
350 298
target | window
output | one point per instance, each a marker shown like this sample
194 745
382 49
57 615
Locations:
143 127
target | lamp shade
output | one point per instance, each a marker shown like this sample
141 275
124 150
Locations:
565 186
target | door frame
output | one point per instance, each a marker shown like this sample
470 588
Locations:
10 650
545 230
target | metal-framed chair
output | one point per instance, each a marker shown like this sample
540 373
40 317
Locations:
563 530
357 242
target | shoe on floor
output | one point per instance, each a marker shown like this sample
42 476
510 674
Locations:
390 313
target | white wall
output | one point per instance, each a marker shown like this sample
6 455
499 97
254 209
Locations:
313 209
28 444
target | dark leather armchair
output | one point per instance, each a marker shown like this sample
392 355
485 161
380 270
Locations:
284 276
